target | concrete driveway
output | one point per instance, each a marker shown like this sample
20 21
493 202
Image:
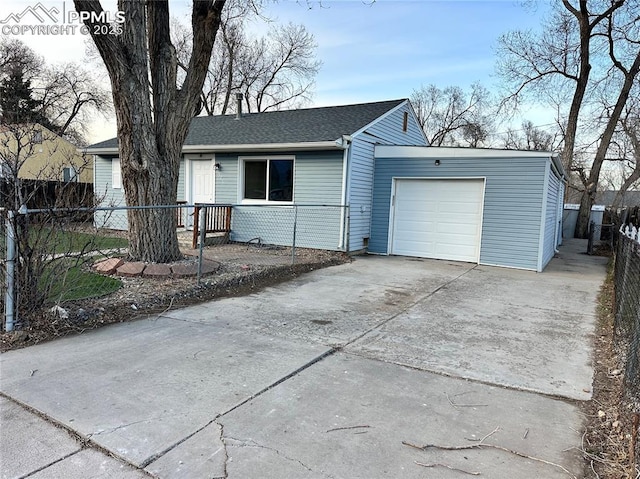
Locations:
321 377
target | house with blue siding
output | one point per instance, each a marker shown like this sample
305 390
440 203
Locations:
270 160
485 206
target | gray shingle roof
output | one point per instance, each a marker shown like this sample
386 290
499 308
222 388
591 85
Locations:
287 126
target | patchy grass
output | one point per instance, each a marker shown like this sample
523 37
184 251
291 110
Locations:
609 416
74 241
76 284
60 242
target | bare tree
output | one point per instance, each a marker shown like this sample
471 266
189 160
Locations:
69 97
529 137
580 38
273 72
153 110
451 117
278 71
15 54
62 97
626 150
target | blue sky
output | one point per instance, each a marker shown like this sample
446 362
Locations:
386 49
370 51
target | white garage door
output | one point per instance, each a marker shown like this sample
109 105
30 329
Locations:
438 219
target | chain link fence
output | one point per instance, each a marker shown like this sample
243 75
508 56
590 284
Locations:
3 257
239 231
68 256
601 238
627 305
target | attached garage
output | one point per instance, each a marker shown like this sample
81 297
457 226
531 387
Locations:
493 207
437 218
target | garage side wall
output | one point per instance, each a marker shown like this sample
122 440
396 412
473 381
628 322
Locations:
551 221
513 203
386 131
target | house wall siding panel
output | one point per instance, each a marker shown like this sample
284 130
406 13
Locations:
109 196
115 197
317 176
226 178
387 131
181 182
317 181
511 220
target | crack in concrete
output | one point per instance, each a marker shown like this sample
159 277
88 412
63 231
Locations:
252 443
47 466
224 449
305 366
310 363
122 426
84 441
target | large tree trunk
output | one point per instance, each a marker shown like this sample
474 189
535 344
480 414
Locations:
591 187
153 115
582 81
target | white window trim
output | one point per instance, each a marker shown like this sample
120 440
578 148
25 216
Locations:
116 174
241 162
36 137
75 177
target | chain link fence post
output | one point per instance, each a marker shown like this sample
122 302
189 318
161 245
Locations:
10 309
202 224
295 227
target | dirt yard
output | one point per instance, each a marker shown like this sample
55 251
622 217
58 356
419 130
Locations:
610 440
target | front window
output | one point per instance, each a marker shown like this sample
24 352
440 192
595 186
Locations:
268 180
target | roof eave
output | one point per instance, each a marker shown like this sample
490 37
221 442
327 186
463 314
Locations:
456 152
257 147
100 151
261 147
381 117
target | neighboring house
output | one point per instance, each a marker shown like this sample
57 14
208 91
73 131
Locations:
607 197
629 198
494 207
321 156
604 200
485 206
43 155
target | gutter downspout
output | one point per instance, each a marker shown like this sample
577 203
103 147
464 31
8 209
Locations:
345 143
558 227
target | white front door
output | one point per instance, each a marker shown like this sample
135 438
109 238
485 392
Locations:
202 183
